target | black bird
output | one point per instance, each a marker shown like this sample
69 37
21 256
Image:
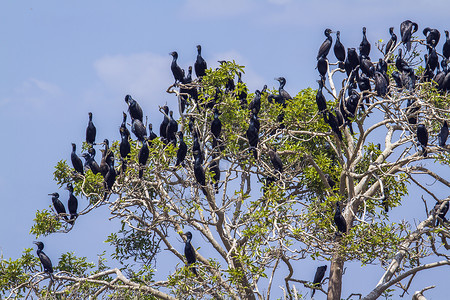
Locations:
326 45
407 28
214 168
281 90
339 219
182 149
446 46
398 79
143 157
91 131
125 146
134 108
196 148
441 213
253 134
333 122
322 67
339 50
339 117
171 130
124 125
88 162
401 64
432 36
382 66
364 83
176 70
59 206
45 260
110 176
320 99
242 92
422 137
164 123
443 134
366 66
139 130
392 41
276 160
188 78
151 134
199 172
381 85
76 161
72 203
93 164
255 104
351 61
200 64
216 124
433 60
330 181
318 277
189 252
364 47
411 111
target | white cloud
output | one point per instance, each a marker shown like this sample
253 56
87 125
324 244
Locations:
143 74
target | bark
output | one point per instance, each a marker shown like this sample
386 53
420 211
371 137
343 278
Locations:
335 283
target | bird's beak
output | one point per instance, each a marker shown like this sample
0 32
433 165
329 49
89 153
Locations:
50 194
35 242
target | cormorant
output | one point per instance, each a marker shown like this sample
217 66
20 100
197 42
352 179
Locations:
200 64
76 161
432 36
216 124
339 219
320 99
364 83
401 64
446 46
125 147
326 45
164 123
330 181
433 59
139 130
392 41
318 277
176 70
398 79
422 137
441 213
199 172
255 104
242 92
143 157
196 148
134 108
171 130
45 260
188 78
382 66
381 85
333 122
322 67
72 203
214 168
276 160
91 131
364 47
281 90
59 206
253 134
124 125
339 117
407 28
182 149
366 66
151 134
351 61
189 252
411 111
110 177
443 135
339 50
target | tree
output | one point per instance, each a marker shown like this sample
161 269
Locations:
265 211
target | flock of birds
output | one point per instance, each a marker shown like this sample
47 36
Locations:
361 73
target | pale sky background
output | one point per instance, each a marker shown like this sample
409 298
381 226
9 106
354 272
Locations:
61 59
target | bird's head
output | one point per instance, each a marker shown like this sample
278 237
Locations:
128 98
69 186
40 245
174 54
55 194
188 235
328 31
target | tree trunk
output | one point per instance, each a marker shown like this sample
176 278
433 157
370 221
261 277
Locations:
335 282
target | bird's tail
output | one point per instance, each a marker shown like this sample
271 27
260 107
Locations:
424 151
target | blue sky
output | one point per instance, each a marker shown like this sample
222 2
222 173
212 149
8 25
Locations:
61 59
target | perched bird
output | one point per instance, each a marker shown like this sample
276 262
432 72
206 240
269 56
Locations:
253 134
326 45
446 46
91 131
320 99
124 125
443 135
199 172
318 277
216 124
432 36
72 203
89 163
282 92
196 147
441 212
382 66
398 79
139 130
143 157
76 161
392 41
164 123
401 64
200 64
351 61
330 181
381 85
364 47
411 111
214 168
242 92
366 66
171 129
176 70
124 146
45 260
110 176
433 60
276 160
422 137
255 104
339 49
151 134
189 252
59 206
333 122
134 108
322 67
339 219
407 28
182 149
